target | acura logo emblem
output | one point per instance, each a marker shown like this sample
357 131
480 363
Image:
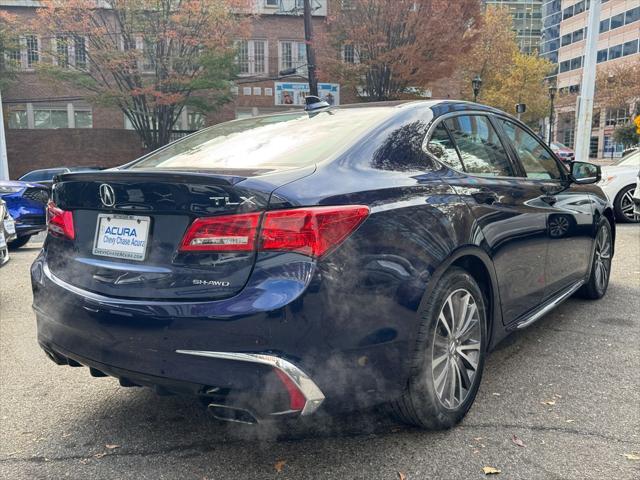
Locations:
107 195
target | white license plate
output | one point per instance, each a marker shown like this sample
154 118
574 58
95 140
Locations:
10 226
3 242
122 236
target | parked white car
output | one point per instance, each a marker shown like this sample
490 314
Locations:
619 182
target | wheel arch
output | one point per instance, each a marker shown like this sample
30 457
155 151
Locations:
609 214
480 266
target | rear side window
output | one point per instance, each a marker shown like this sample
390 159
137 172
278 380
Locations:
441 146
538 163
480 147
281 141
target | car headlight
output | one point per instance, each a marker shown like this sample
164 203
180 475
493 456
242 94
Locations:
7 189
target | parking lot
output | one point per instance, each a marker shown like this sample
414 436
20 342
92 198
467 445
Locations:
560 400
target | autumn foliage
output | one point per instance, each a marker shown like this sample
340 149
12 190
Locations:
399 46
509 77
150 58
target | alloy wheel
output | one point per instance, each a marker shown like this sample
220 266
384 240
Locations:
456 348
602 258
626 206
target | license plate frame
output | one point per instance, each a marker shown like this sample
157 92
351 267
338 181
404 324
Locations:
124 252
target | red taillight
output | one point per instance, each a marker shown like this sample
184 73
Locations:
311 231
60 222
231 233
296 397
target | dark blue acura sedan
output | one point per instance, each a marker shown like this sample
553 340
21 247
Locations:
336 258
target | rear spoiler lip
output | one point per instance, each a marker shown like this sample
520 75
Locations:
180 176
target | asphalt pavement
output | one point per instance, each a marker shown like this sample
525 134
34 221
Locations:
560 400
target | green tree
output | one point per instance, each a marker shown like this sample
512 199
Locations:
398 46
508 76
150 58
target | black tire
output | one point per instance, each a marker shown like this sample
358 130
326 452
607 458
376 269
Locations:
421 405
618 207
19 242
596 288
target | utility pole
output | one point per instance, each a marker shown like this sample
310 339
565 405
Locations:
311 54
585 100
4 164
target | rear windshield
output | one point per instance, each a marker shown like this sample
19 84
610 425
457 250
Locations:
274 142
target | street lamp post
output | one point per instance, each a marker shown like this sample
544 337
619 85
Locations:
552 96
476 84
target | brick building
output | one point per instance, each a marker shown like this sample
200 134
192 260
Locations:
49 125
565 25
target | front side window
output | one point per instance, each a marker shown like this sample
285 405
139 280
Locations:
441 146
480 147
538 163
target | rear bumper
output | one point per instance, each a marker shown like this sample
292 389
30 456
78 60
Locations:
273 343
260 408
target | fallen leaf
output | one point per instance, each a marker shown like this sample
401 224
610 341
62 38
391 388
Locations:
111 447
548 402
517 441
99 455
490 470
402 476
569 421
496 394
631 456
279 466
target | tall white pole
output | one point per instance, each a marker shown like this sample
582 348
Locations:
587 90
4 164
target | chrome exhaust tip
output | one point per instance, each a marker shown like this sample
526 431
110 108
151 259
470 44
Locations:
227 413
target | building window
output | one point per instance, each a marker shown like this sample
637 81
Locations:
42 116
251 57
349 54
80 52
271 3
632 15
18 119
83 118
617 21
615 52
617 116
50 118
292 55
33 50
62 51
70 52
630 48
576 63
604 25
603 55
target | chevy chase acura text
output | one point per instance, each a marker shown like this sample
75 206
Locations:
335 258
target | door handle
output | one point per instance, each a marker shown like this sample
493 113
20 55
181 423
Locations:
486 197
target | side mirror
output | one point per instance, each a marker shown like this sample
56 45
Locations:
584 173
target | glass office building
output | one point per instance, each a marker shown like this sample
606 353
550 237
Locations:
527 21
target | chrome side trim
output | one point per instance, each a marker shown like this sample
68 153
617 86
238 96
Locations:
312 394
549 306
